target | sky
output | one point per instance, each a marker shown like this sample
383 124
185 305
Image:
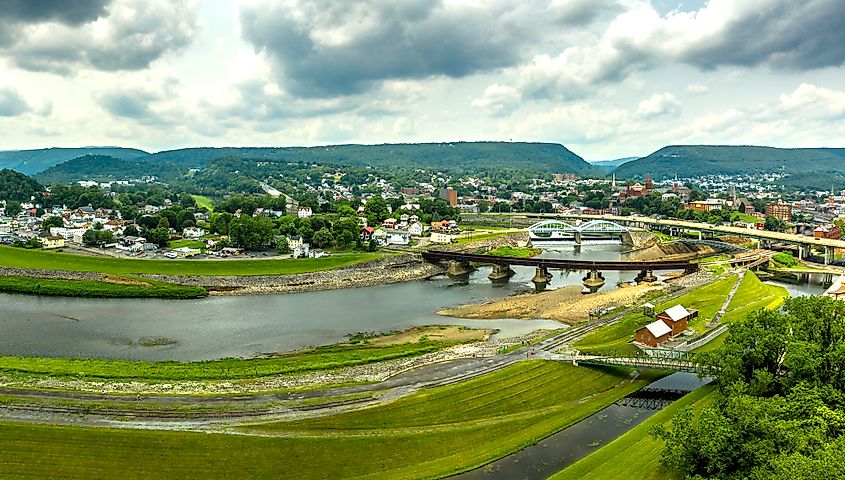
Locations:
605 78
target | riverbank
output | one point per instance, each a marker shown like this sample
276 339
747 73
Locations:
567 305
99 286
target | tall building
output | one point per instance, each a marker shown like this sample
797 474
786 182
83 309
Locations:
450 196
779 210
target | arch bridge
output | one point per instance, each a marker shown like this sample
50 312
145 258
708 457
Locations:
560 231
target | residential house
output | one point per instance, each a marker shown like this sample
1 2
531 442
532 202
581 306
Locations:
415 229
367 234
304 212
389 223
439 237
193 232
294 241
398 237
52 241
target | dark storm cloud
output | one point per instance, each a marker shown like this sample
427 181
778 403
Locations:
135 33
368 42
70 12
792 34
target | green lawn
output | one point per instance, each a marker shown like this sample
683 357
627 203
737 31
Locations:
95 289
199 245
707 300
753 295
636 454
428 435
319 358
38 259
204 202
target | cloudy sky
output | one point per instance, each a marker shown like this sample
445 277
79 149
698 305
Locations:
606 78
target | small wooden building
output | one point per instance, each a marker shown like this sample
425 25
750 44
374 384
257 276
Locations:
653 334
677 318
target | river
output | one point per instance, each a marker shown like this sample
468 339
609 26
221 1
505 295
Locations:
244 326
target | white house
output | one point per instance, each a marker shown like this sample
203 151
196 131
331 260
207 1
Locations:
415 229
438 237
304 212
193 232
294 241
398 237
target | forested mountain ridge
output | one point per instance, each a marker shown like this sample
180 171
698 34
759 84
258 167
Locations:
537 157
34 161
697 160
17 187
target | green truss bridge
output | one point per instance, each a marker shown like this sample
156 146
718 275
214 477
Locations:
654 359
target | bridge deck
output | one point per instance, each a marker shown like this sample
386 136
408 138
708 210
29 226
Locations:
437 256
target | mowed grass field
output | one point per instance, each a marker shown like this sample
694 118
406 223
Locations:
203 201
427 435
38 259
636 454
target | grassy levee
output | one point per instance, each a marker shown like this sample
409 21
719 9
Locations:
636 454
38 259
707 300
428 435
319 358
95 289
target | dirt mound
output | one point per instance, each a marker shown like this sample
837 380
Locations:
672 251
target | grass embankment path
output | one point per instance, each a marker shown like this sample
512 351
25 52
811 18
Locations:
515 252
427 435
751 295
636 454
319 358
37 259
96 289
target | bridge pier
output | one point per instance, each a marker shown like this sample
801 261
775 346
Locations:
646 276
594 279
828 255
541 275
578 238
500 272
457 268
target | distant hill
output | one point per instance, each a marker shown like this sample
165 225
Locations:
608 166
539 157
34 161
812 164
100 168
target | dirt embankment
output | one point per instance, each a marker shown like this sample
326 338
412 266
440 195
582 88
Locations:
671 251
567 304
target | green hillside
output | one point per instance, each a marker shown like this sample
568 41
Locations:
813 165
540 157
17 187
98 168
34 161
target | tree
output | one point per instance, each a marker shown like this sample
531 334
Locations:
13 208
251 233
376 210
282 245
54 221
130 231
774 224
322 238
159 236
779 408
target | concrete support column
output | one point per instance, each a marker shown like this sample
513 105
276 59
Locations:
578 238
594 279
700 235
645 276
541 275
828 255
457 268
500 272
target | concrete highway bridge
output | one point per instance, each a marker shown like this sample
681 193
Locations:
459 263
805 244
